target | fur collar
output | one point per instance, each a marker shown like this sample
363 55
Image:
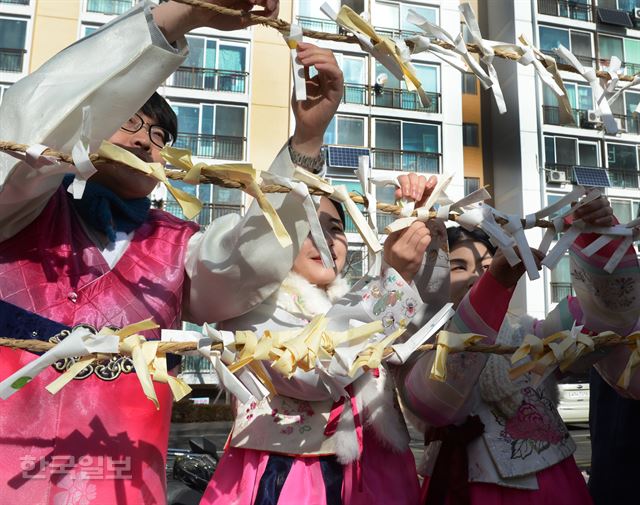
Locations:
299 297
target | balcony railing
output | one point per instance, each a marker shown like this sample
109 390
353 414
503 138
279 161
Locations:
551 115
196 364
212 146
566 9
109 7
560 290
586 60
382 221
406 161
210 79
395 32
11 59
619 178
356 93
210 211
627 67
318 24
389 97
624 178
628 124
406 100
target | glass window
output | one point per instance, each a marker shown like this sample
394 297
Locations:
471 184
188 118
631 50
420 137
566 151
470 134
388 134
610 46
12 44
552 38
345 130
561 280
353 68
428 75
386 15
429 13
622 209
622 157
549 150
229 121
232 57
632 99
469 84
581 45
588 154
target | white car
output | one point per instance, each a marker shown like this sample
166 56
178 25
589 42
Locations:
574 400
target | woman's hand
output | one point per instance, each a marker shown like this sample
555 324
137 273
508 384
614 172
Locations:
508 275
415 187
175 19
404 249
324 93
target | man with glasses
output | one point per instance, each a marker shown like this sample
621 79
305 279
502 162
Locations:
107 259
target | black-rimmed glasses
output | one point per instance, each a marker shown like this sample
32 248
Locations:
158 135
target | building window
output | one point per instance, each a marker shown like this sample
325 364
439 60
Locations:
392 92
13 34
470 135
569 151
310 16
3 89
471 184
561 280
469 84
580 98
391 18
574 9
211 130
627 50
345 131
354 69
406 146
15 2
622 160
624 210
355 265
579 43
213 65
87 30
109 7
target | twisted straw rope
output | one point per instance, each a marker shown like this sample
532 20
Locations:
227 183
184 347
284 28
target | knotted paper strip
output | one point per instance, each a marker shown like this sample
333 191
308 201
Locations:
449 342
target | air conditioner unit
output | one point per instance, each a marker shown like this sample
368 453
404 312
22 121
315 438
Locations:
556 176
593 116
636 12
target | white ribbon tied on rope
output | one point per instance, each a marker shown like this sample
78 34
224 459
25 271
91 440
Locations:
80 154
299 82
460 47
589 74
367 183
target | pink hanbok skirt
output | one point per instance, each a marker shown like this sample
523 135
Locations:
561 484
384 478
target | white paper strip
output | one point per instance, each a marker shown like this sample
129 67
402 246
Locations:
299 81
403 351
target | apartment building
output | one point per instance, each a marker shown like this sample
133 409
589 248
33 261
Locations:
529 156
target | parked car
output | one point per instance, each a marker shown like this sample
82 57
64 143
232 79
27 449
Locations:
574 399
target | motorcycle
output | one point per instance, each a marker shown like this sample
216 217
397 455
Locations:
191 471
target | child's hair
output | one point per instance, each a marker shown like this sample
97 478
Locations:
456 234
159 109
340 210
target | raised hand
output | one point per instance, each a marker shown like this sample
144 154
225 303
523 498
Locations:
415 187
596 213
404 249
324 92
508 275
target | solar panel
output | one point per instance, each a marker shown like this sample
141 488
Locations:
345 157
614 17
592 177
